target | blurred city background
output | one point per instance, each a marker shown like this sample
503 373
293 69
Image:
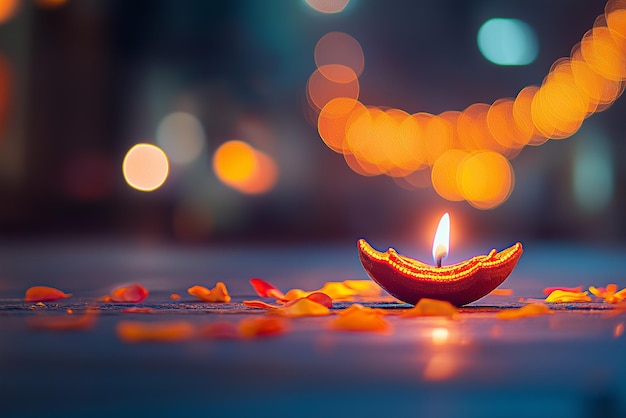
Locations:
225 89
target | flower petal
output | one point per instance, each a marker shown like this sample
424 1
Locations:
260 304
548 290
366 288
562 296
219 294
303 307
265 290
501 292
132 293
135 331
432 307
360 318
338 291
532 309
44 294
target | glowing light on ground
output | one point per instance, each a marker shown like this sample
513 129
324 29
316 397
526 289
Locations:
328 6
145 167
508 42
240 166
181 136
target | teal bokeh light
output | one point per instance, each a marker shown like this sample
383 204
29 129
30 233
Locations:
508 42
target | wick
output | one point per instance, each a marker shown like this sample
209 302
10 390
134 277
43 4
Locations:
439 261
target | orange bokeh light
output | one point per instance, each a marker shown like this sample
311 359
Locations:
329 82
245 169
8 8
444 174
145 167
485 179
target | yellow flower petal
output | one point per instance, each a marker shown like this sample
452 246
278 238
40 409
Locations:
432 307
562 296
303 307
360 318
533 309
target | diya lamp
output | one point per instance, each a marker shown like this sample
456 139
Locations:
411 280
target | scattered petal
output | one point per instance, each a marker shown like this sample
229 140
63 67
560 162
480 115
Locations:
132 293
533 309
303 307
65 322
44 294
563 296
175 296
338 291
260 304
609 294
501 292
365 288
261 327
135 331
136 309
321 298
266 290
360 318
219 294
548 290
294 294
432 307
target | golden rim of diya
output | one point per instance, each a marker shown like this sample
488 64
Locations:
411 280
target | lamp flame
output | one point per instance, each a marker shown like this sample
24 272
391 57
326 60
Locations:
441 243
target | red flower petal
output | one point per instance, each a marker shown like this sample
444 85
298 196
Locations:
266 290
44 294
548 290
219 294
259 304
132 293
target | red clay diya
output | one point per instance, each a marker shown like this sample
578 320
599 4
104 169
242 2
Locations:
411 280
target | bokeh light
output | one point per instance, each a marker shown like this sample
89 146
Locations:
145 167
339 48
328 6
332 81
485 179
8 8
181 136
508 42
240 166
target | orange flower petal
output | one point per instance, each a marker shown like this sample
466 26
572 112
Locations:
501 292
366 288
44 294
609 294
264 289
294 294
303 307
261 327
219 294
65 322
135 331
131 294
259 304
359 318
562 296
548 290
532 309
175 296
432 307
338 291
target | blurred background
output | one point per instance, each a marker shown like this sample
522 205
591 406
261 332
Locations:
225 90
